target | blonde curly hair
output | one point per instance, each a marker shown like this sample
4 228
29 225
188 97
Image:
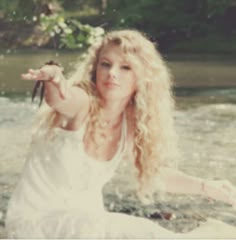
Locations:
154 135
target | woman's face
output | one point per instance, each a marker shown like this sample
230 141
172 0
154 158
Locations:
115 78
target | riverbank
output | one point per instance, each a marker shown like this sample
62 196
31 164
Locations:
211 43
192 71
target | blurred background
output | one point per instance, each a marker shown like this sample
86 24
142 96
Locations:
197 38
194 26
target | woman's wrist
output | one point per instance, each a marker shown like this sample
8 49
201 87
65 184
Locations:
56 78
53 72
56 75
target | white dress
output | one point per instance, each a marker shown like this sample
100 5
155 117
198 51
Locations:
60 196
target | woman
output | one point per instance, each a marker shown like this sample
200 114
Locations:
119 106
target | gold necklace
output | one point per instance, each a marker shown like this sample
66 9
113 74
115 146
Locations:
105 131
109 123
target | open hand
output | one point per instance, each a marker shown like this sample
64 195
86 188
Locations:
222 190
45 73
50 72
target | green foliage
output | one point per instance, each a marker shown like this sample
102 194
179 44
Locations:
8 8
173 22
217 7
184 17
22 10
70 33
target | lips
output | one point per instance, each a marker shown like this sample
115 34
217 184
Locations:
111 84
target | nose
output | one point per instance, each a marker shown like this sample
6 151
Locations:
113 72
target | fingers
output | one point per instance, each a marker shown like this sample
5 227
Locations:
34 75
26 76
45 73
48 73
230 192
223 190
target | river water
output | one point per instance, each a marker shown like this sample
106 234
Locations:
205 120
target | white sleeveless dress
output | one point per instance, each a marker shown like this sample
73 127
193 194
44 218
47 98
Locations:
60 196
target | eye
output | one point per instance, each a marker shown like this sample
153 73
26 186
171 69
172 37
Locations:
126 67
105 64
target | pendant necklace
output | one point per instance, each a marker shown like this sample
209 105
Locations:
102 135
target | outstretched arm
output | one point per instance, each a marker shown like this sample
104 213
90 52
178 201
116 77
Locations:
68 101
175 181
